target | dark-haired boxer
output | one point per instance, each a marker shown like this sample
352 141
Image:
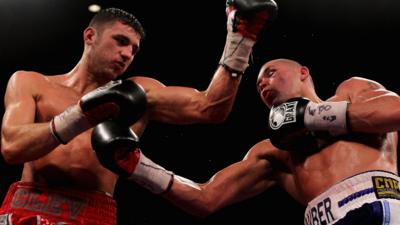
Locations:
48 119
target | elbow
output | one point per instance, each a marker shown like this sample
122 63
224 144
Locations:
203 214
217 117
200 205
9 155
209 210
213 111
216 114
203 211
208 205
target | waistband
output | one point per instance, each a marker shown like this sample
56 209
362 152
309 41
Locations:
350 194
70 204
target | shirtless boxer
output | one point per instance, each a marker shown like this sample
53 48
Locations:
337 157
48 119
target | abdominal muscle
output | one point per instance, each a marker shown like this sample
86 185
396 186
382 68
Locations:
74 165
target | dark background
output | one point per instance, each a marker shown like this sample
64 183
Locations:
335 39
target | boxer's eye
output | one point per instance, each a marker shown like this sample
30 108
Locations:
271 72
121 40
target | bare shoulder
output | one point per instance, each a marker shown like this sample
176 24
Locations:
23 84
259 149
26 80
355 87
147 83
276 161
359 84
265 150
22 76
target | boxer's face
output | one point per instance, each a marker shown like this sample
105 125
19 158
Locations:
278 81
113 49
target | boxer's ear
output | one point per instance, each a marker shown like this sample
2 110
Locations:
89 35
304 73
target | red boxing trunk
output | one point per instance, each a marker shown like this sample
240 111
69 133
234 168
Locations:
31 204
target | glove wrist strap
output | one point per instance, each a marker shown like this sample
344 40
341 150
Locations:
235 57
68 124
329 116
152 176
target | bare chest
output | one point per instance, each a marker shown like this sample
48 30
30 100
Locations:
335 162
73 164
52 101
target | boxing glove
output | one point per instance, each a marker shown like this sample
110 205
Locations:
116 147
292 124
246 19
125 101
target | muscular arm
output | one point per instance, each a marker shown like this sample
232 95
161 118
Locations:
181 105
237 182
22 139
373 108
184 105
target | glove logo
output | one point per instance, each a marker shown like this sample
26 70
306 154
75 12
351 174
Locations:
231 23
109 85
283 114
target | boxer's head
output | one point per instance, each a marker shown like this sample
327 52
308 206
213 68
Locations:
111 15
282 79
111 41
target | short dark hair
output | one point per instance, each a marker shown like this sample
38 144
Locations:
108 15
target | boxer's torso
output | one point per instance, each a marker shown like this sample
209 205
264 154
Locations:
345 156
316 173
74 164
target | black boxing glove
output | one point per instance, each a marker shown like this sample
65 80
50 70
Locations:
116 147
123 100
249 17
291 125
246 19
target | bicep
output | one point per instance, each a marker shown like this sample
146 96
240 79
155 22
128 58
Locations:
171 104
178 105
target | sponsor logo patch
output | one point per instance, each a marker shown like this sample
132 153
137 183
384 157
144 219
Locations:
48 203
386 187
282 114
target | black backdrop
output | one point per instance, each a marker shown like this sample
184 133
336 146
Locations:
335 39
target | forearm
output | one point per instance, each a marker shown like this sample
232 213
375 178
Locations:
23 143
221 94
232 184
190 197
380 114
237 182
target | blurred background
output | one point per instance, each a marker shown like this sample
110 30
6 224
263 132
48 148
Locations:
336 39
